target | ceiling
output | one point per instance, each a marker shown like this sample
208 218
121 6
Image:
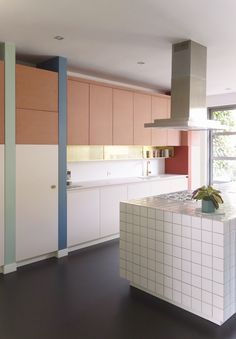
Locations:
107 38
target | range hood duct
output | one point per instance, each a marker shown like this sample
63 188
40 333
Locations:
188 90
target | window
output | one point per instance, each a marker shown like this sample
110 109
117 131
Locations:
222 145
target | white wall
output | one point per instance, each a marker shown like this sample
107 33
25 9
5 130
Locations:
221 99
112 82
99 170
203 158
195 167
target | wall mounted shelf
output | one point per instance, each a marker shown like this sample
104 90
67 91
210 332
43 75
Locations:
108 152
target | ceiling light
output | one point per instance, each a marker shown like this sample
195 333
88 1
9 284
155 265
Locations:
58 37
141 63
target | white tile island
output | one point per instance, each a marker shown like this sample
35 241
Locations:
169 249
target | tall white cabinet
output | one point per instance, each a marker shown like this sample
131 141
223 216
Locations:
1 205
36 200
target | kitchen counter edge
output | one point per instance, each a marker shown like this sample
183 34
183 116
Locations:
81 185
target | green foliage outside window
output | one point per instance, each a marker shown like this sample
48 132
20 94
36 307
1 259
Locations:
225 117
223 146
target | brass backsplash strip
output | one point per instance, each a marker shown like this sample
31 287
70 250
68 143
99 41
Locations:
94 153
122 152
84 153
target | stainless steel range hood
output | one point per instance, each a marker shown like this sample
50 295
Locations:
188 90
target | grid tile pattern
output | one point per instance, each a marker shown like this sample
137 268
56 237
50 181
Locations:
183 259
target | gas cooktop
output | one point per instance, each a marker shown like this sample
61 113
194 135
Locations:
178 196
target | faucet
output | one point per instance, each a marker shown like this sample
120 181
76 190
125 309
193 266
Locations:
148 168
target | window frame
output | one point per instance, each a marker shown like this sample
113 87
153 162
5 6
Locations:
210 138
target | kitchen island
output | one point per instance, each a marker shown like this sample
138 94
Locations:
169 249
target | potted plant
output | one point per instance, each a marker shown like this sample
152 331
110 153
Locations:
211 198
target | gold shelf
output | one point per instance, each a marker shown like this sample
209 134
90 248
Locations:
106 152
122 152
84 153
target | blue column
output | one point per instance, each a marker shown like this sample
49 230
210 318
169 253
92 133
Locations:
59 65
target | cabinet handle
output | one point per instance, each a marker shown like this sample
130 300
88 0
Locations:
53 187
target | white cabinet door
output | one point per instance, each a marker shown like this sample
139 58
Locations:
169 185
36 200
110 198
160 187
179 184
1 205
82 216
139 190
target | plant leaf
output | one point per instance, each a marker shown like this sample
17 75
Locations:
214 202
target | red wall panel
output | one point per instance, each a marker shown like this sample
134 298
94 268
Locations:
179 164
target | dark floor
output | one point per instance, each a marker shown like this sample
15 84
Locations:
82 297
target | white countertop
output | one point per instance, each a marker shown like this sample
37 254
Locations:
119 181
226 212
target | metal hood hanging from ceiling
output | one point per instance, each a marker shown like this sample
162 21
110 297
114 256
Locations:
188 90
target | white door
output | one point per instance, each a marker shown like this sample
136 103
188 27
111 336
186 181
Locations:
110 207
82 216
36 200
1 205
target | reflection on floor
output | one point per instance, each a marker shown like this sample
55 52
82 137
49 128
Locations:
82 297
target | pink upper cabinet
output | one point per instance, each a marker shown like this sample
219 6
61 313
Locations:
191 138
159 111
36 127
36 106
142 114
36 89
123 119
100 115
173 137
77 113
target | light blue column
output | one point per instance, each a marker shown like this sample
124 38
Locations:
7 52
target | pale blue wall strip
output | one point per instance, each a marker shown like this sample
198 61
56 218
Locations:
8 53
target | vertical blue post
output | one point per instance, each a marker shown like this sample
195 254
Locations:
59 65
7 52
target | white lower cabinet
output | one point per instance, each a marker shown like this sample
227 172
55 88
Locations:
178 184
169 185
139 190
36 200
93 214
110 198
160 187
1 205
152 187
82 216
